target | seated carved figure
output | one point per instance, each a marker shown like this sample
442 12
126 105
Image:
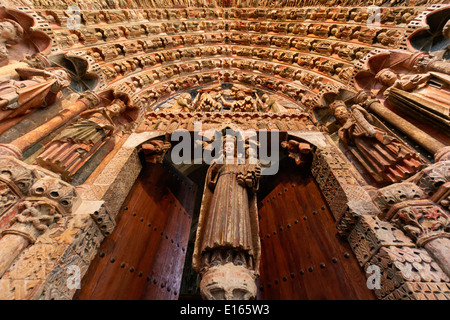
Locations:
38 89
387 159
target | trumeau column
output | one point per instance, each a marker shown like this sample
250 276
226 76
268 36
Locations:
41 200
227 247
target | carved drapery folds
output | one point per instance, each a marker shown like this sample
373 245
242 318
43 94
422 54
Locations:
227 248
253 68
42 199
383 156
77 143
37 89
413 83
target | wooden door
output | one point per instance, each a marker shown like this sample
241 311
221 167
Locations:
144 256
302 256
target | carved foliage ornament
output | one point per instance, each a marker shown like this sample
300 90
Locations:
394 194
404 204
434 176
44 198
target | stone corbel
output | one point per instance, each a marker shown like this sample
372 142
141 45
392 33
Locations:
297 151
155 150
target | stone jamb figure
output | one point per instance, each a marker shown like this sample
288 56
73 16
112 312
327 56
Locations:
227 247
385 157
71 149
10 33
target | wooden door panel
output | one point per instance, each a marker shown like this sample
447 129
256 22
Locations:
144 256
302 255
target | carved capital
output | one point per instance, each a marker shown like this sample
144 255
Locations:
43 198
35 217
443 154
17 175
433 177
10 150
395 194
423 221
90 98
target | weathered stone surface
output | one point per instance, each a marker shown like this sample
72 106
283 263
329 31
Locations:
67 246
336 180
116 180
403 264
355 210
421 291
370 234
20 289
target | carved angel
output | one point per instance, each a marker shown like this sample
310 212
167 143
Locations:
10 33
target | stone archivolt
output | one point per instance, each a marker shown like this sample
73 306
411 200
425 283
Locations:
121 75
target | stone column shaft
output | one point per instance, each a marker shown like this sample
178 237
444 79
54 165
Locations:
421 137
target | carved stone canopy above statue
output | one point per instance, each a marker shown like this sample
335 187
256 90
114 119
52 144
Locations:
79 68
434 37
18 37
